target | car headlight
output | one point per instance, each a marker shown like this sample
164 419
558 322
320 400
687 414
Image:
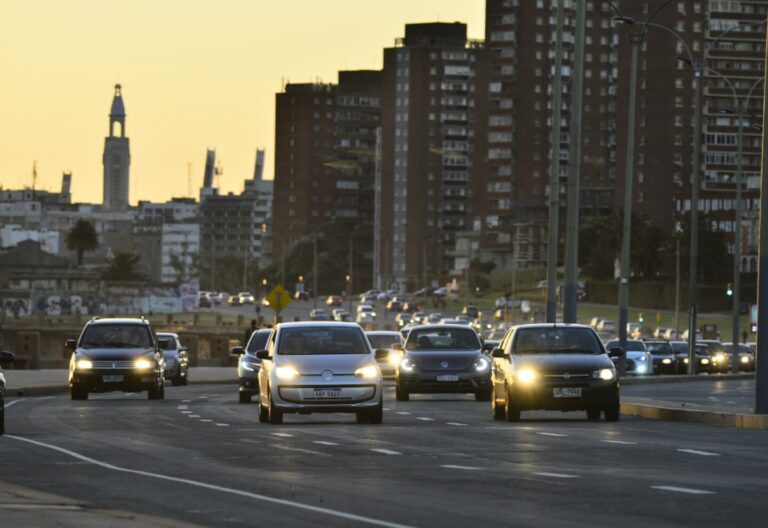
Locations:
368 372
604 374
406 365
143 364
527 376
685 361
640 369
666 361
286 373
641 358
482 364
719 358
394 357
705 361
745 359
84 364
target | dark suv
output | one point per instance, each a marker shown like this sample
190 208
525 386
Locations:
5 357
116 355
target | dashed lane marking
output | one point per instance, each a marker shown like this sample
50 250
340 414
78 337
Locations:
403 413
459 424
425 419
212 487
14 402
186 412
558 435
386 452
283 435
222 425
555 475
193 416
689 491
206 420
620 442
466 468
324 442
697 452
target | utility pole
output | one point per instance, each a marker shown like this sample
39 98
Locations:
761 357
572 225
677 288
693 269
314 270
737 246
554 174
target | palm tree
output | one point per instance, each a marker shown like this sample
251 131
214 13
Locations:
80 238
123 267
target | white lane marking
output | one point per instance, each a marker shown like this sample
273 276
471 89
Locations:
182 406
222 425
456 423
555 475
185 412
404 413
325 443
14 402
552 434
467 468
690 491
284 435
386 409
186 401
249 441
199 398
299 450
193 416
213 487
425 419
697 452
620 442
206 420
386 452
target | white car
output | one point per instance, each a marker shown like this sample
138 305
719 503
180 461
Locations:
366 317
246 298
313 367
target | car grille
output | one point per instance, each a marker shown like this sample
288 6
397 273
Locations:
112 364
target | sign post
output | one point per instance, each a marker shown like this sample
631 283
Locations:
278 299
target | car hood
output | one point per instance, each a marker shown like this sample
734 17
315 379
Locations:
316 364
170 354
113 353
635 354
443 359
564 362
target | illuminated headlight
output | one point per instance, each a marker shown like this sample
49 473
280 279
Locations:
640 369
719 358
685 361
368 372
394 357
286 373
143 364
527 376
482 364
604 374
406 365
666 361
84 364
641 358
705 361
745 359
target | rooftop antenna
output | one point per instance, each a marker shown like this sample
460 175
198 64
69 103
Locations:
34 177
189 178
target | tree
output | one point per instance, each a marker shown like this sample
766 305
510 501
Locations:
123 267
80 238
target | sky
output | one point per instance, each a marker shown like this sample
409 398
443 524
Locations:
196 74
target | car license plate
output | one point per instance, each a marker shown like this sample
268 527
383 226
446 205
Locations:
567 392
327 394
114 378
448 377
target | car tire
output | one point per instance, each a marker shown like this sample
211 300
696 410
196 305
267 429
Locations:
372 416
612 412
244 397
593 415
498 410
275 415
2 417
401 394
156 392
78 393
177 381
511 412
263 414
362 417
483 395
185 379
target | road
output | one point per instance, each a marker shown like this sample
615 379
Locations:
199 457
735 395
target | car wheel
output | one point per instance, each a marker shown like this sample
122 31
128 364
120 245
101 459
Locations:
612 412
185 379
401 394
511 412
176 381
263 414
362 417
156 392
372 416
498 410
593 414
244 397
483 395
2 417
275 415
78 393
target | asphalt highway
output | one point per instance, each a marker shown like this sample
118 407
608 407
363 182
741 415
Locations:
736 395
200 458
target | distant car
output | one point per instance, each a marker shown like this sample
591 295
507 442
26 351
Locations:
203 301
664 360
553 367
470 310
340 314
385 340
246 298
364 318
746 356
5 358
703 359
411 307
434 318
248 364
300 296
334 300
671 334
215 297
639 361
443 359
720 357
659 332
176 358
440 292
234 300
394 306
402 319
318 314
296 353
606 326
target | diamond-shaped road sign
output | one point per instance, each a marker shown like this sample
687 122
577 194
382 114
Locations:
278 299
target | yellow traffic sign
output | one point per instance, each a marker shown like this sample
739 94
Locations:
278 299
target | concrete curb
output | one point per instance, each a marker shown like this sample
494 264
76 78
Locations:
672 412
651 380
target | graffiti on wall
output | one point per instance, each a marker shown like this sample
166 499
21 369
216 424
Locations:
14 306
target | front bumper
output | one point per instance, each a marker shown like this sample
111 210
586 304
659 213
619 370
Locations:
300 396
659 367
427 382
101 380
540 395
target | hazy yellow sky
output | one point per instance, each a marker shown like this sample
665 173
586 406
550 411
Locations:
195 74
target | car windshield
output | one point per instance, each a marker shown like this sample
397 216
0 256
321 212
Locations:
116 336
384 341
679 348
556 340
321 340
166 343
658 348
632 345
258 341
443 339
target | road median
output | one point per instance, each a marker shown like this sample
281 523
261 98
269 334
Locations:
685 412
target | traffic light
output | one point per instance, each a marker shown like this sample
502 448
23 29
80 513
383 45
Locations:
729 290
641 318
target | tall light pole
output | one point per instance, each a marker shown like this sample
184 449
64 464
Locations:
761 359
314 271
554 174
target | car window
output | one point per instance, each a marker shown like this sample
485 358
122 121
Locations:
258 341
116 336
632 345
659 348
321 340
384 341
556 340
443 339
166 343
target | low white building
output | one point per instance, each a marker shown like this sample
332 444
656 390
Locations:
11 235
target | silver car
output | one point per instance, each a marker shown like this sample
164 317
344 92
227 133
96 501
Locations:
385 340
176 359
248 364
319 367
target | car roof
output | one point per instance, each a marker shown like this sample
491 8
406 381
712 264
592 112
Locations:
439 326
119 320
299 324
382 332
552 325
167 334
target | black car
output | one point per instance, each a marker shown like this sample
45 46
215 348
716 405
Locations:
5 358
443 359
553 367
720 357
248 365
116 355
703 359
664 360
176 358
470 310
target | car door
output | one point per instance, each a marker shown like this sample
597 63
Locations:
266 367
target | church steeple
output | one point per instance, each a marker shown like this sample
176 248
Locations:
117 113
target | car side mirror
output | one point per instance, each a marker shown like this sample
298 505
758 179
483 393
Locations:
615 352
498 353
381 354
237 351
262 354
70 344
397 346
7 357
